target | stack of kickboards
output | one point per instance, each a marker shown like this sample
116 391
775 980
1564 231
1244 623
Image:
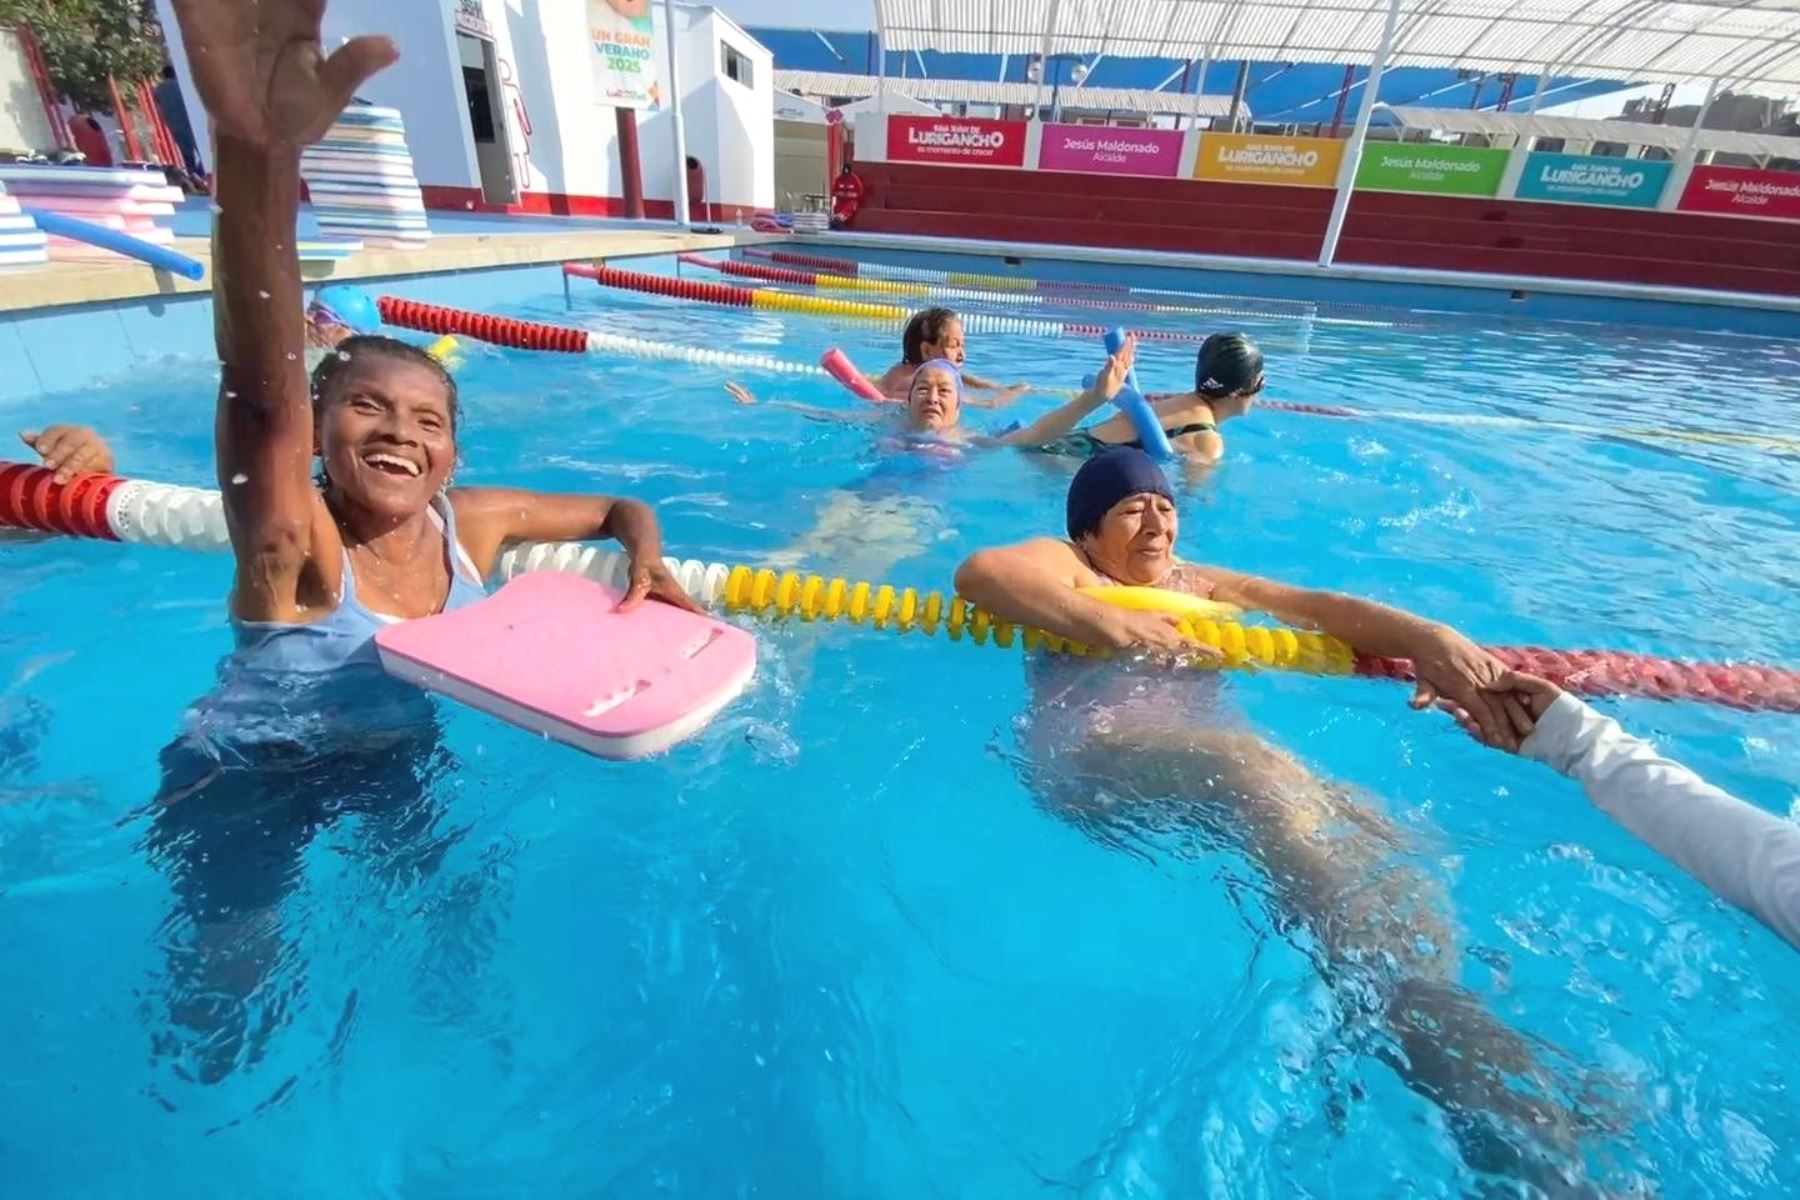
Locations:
22 243
361 182
137 202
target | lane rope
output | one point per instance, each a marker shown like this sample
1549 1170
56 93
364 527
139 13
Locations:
127 510
778 301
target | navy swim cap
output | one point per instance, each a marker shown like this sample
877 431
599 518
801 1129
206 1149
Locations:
1227 363
1107 478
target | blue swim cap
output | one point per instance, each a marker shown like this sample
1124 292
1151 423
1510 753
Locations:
350 307
1107 478
938 364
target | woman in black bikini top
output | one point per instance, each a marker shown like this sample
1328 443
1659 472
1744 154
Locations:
1228 373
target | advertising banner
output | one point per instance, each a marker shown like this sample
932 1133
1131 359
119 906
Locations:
1743 192
1424 167
1254 158
1593 179
623 54
970 141
1106 150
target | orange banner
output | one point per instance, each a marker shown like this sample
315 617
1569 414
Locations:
1254 158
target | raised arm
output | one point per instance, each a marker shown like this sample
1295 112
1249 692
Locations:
1060 420
488 519
269 90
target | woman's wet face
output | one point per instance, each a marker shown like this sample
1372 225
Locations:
933 400
386 436
949 345
1135 542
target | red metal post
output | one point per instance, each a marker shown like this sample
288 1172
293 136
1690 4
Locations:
166 153
40 75
133 151
630 166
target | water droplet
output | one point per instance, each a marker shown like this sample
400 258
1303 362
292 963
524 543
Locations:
240 479
291 356
262 293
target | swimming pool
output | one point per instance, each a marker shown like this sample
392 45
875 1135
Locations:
836 946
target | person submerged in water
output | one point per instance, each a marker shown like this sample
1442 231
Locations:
1228 375
303 725
937 333
1139 748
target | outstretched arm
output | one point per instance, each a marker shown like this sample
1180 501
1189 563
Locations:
1446 663
270 90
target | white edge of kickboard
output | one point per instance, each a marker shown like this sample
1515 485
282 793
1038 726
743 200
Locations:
531 720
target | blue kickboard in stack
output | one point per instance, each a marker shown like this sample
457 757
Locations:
22 243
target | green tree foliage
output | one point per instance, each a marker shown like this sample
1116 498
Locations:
84 41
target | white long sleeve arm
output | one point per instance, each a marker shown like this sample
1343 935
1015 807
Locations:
1744 854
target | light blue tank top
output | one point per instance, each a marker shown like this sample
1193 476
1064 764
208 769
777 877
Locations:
304 683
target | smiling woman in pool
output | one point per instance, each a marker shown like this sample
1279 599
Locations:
304 728
380 536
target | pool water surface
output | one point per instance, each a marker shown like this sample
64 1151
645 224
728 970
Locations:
838 944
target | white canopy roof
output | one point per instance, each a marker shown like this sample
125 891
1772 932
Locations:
1742 42
979 91
1630 133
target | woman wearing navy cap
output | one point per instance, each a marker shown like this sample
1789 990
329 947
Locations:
1135 750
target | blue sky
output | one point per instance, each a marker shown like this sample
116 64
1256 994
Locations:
855 15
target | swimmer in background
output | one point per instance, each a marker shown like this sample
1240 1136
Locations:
938 333
1228 374
1143 752
304 726
937 393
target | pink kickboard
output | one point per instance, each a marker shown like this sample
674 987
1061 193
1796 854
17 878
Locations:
552 654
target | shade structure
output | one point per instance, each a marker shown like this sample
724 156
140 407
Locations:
981 91
1629 133
1745 43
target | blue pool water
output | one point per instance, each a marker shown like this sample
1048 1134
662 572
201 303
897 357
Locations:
837 946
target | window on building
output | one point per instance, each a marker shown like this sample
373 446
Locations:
736 65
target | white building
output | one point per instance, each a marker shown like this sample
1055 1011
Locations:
502 109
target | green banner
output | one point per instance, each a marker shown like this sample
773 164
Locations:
1425 167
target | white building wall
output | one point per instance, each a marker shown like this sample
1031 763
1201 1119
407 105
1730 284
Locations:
425 85
547 86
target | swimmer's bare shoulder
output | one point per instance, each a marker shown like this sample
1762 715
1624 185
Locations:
894 381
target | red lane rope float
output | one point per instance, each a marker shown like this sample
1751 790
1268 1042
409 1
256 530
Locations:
1617 673
501 331
30 498
658 285
131 510
1316 410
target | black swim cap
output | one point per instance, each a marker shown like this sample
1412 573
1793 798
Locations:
1227 363
1107 478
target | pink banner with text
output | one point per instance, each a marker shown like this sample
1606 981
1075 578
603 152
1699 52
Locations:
1109 150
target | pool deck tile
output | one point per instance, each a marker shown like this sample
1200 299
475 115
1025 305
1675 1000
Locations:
62 285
